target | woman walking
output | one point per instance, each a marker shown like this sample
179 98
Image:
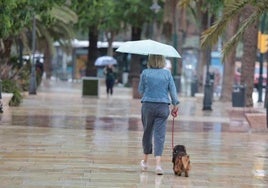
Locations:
158 91
109 79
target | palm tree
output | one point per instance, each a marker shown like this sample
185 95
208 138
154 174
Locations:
229 67
249 54
59 27
205 13
60 30
250 11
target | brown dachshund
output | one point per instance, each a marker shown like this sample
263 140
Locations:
181 161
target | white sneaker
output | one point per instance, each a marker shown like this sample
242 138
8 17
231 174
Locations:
144 166
159 170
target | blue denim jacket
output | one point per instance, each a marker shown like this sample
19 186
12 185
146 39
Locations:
157 85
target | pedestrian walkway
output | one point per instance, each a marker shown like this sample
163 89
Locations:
58 138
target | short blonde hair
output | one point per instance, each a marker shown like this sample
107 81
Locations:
156 61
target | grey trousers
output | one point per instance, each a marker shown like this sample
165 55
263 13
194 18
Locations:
154 119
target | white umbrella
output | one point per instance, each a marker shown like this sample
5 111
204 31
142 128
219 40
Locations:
105 60
147 47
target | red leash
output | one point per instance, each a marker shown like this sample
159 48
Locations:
172 143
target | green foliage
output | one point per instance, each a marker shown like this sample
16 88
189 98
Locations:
53 21
263 24
137 12
211 6
231 9
110 15
16 15
18 79
10 86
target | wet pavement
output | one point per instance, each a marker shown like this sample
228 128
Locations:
58 138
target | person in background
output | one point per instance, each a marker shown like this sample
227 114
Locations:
158 91
39 67
110 77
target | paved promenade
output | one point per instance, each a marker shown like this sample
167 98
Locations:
58 139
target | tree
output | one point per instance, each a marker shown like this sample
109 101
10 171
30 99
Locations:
111 23
136 13
250 37
252 11
15 18
17 26
60 29
205 13
229 65
89 13
95 17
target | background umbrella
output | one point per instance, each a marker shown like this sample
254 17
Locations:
105 60
147 47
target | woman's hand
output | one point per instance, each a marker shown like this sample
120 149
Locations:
174 111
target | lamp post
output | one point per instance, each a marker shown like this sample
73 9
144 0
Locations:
208 91
155 8
208 95
32 87
174 37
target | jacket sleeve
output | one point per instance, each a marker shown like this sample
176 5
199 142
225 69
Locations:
173 91
141 84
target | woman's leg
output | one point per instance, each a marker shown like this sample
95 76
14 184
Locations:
159 134
107 86
111 86
160 123
147 122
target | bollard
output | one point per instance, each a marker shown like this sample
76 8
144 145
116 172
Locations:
207 101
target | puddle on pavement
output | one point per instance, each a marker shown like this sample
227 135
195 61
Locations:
113 123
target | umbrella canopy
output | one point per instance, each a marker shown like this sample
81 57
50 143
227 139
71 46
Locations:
105 60
147 47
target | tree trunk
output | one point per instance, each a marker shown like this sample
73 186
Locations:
110 38
229 64
47 61
205 53
91 70
135 59
135 64
4 57
249 55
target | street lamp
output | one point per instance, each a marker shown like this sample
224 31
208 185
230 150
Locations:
208 91
32 87
175 37
208 95
155 8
